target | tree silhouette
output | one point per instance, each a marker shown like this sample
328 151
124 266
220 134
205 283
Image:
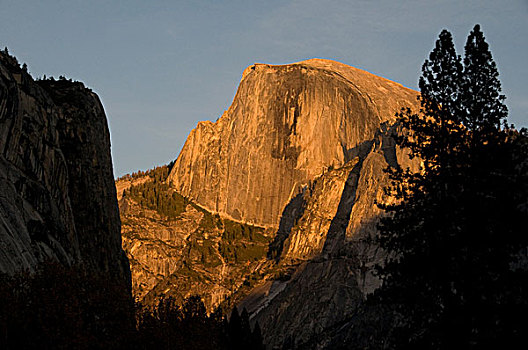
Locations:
482 99
188 326
455 234
60 307
256 338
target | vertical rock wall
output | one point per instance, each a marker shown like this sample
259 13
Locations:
57 195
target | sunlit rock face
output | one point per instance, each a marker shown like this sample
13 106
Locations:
286 126
57 195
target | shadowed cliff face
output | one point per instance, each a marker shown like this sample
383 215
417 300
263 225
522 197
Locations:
286 125
331 245
57 195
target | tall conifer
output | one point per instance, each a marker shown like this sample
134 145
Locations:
483 103
458 226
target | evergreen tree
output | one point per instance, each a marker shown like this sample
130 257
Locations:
239 332
458 226
256 338
235 334
439 83
246 329
482 99
435 133
437 127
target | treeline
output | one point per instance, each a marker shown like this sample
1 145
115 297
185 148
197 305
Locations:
188 326
161 172
68 308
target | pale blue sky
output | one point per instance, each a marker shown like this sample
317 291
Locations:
161 66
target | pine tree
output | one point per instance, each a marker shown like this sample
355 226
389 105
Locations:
458 225
439 123
246 329
235 334
256 338
435 133
483 103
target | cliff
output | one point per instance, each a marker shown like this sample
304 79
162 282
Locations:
287 124
331 247
58 200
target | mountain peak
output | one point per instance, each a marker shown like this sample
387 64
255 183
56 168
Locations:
348 71
286 125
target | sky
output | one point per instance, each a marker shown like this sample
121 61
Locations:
159 67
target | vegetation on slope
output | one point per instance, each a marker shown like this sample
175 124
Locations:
155 193
239 242
210 251
188 326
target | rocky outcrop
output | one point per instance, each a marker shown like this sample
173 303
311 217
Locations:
286 126
155 246
189 253
58 201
